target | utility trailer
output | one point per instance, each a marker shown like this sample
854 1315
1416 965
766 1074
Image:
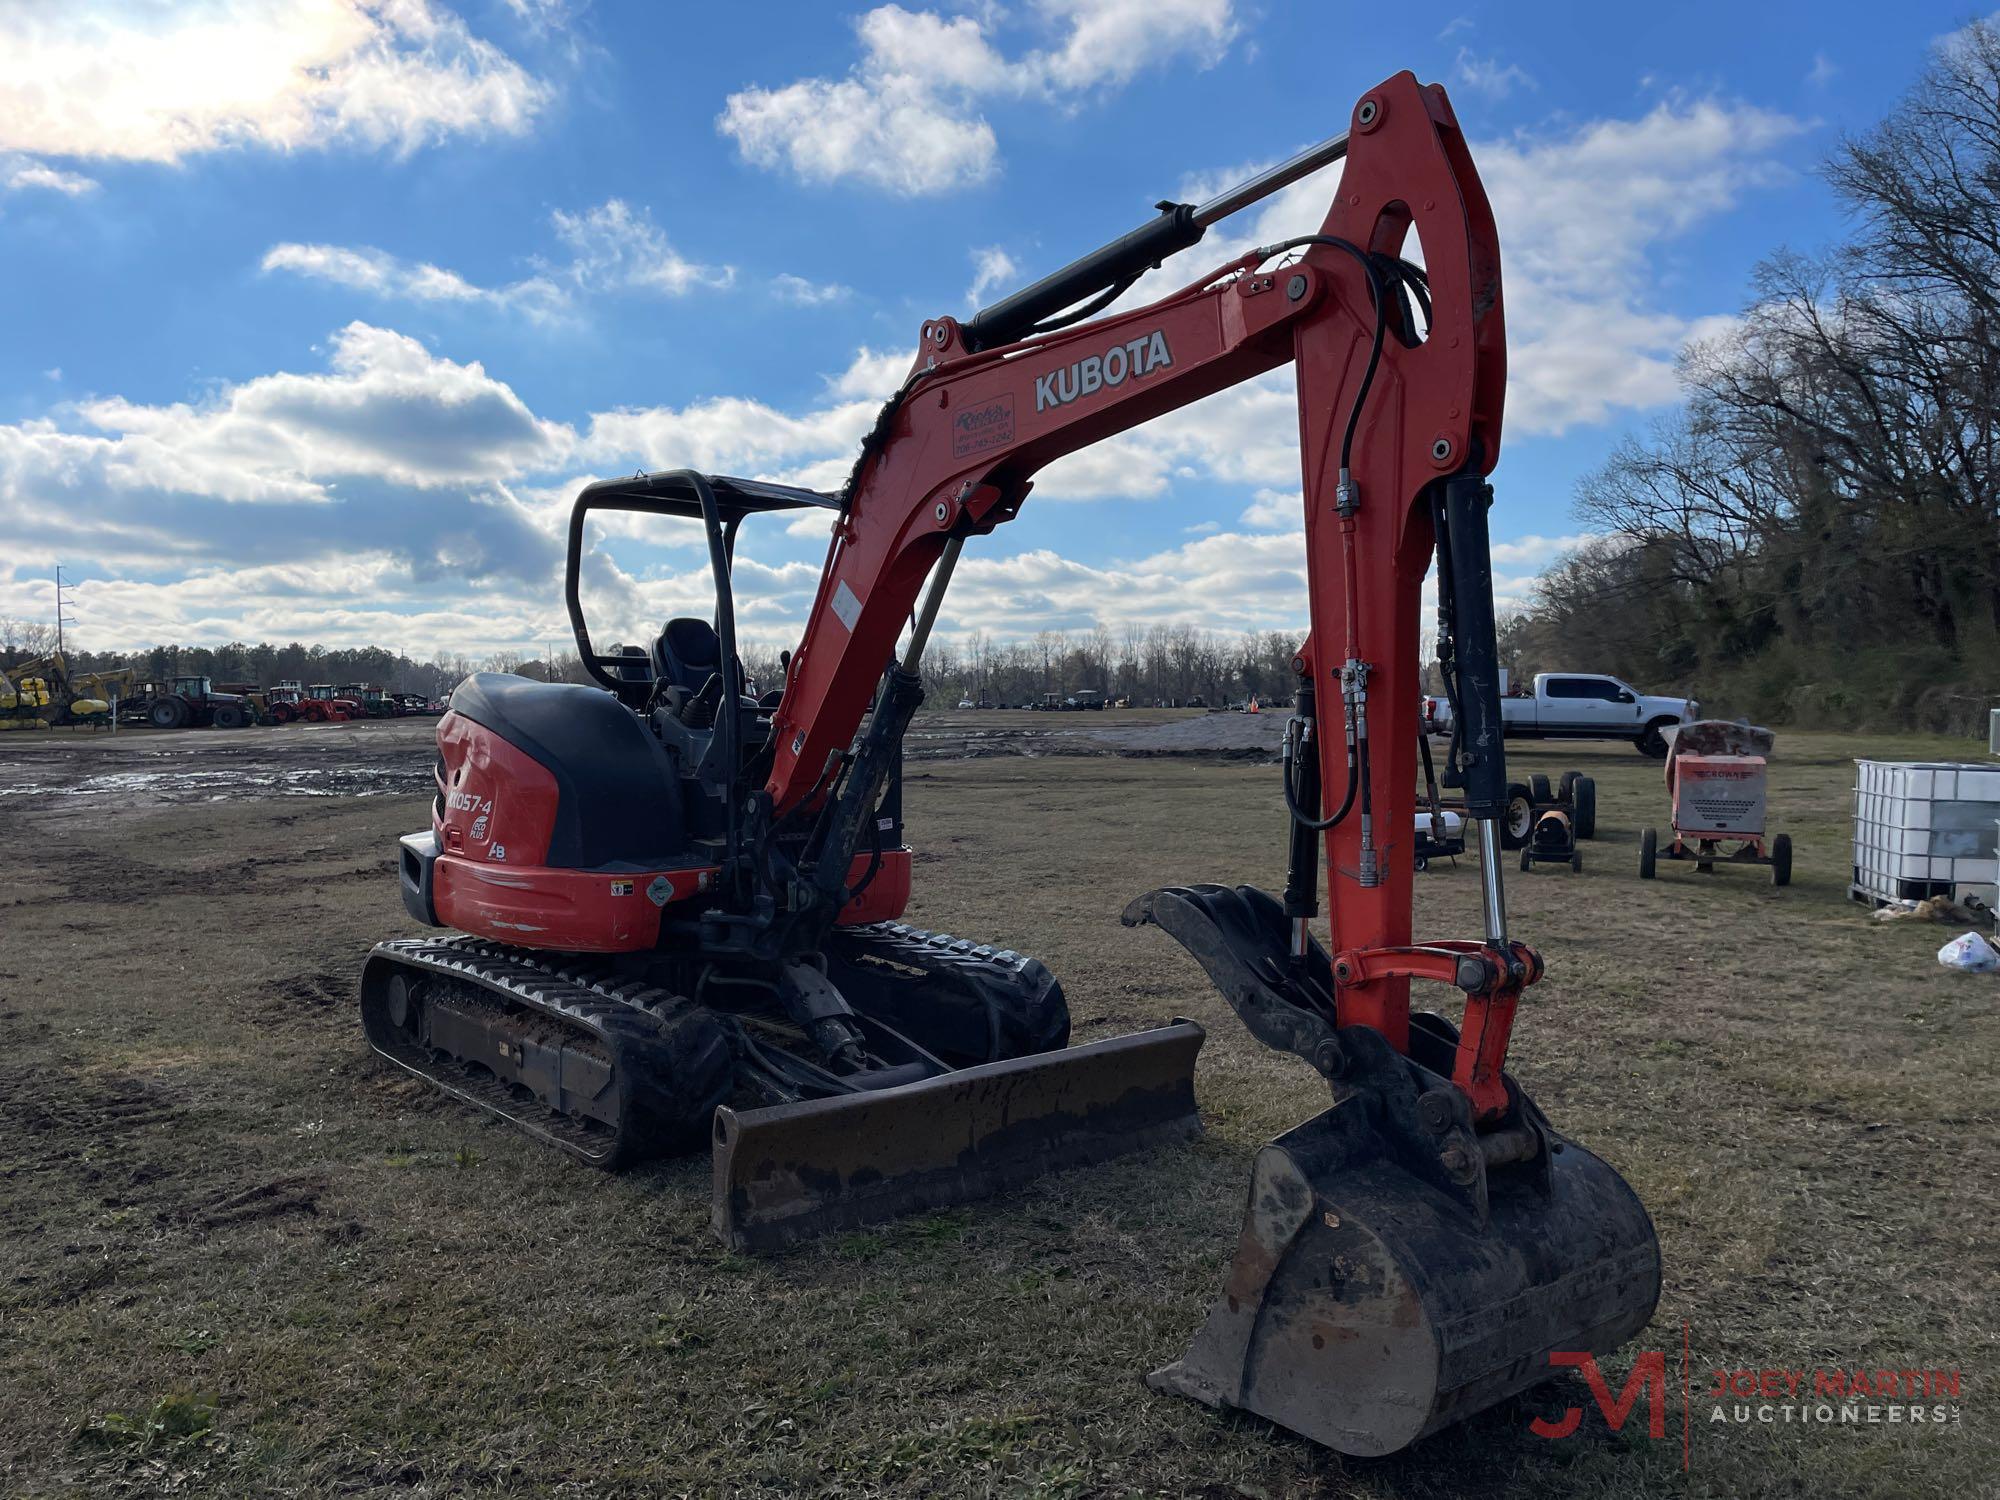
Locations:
1716 776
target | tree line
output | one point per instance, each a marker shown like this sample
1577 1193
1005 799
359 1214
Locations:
266 664
1814 538
1158 665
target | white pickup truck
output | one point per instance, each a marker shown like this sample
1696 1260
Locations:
1581 706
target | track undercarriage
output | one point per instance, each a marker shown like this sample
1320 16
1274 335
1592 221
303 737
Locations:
617 1059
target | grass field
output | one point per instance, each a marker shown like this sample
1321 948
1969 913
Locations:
242 1258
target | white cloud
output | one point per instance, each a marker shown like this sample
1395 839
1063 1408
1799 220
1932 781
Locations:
401 497
1823 71
613 247
874 375
617 246
385 410
1221 580
366 269
139 81
1488 75
1582 220
1584 217
735 435
991 267
1271 510
906 117
803 293
900 121
1111 41
22 173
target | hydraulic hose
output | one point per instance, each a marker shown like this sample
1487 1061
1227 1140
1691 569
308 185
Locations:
1312 820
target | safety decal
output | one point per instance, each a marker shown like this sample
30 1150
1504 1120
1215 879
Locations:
846 605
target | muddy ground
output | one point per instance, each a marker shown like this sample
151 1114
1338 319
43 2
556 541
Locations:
242 1258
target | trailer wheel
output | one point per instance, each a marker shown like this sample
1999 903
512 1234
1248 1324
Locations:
1569 779
1519 821
229 716
1583 806
1538 784
1421 863
1781 859
1649 851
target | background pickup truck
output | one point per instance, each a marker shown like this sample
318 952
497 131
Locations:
1581 706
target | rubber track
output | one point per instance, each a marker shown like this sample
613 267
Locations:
940 950
629 1017
623 1014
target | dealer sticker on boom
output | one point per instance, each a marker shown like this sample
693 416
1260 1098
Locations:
990 424
621 887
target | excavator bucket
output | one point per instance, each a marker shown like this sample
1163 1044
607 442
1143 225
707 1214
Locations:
1397 1270
786 1173
1367 1308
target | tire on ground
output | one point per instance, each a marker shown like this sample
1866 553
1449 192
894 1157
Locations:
1583 806
1649 847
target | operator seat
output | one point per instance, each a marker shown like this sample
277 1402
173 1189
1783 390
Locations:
686 654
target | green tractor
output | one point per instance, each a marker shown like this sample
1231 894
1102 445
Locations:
189 702
375 703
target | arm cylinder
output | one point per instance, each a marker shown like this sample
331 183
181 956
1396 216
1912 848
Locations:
1178 226
1479 746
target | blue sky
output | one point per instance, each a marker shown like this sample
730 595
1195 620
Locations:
319 311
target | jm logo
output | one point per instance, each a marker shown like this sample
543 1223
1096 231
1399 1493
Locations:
1648 1377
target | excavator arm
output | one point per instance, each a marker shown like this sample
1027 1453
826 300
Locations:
1398 422
956 450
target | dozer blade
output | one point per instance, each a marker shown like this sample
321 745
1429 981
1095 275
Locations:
793 1171
1368 1307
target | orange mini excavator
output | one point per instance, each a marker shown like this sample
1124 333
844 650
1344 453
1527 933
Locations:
677 901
